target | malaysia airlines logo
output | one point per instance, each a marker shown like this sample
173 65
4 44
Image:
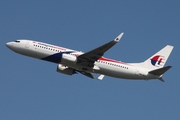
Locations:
157 60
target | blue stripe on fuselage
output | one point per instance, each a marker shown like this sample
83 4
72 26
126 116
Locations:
56 58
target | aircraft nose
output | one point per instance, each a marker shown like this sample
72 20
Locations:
9 44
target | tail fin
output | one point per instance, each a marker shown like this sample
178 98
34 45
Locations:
159 59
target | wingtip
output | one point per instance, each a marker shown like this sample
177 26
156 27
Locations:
117 39
101 77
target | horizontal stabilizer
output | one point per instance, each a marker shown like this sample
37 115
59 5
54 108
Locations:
160 71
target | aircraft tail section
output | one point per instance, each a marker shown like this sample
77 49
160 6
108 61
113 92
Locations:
160 71
158 60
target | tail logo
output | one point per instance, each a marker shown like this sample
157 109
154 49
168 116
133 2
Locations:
157 60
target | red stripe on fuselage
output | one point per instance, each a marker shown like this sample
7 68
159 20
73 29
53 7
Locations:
107 60
110 60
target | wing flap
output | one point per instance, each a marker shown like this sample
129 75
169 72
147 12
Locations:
87 74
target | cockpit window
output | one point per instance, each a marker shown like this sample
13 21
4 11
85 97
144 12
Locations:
17 41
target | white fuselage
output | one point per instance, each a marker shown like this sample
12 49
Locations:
103 66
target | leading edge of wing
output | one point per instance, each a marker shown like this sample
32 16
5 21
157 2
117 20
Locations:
98 52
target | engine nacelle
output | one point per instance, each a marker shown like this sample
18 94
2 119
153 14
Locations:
65 70
69 59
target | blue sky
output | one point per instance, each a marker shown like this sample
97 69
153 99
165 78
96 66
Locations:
32 89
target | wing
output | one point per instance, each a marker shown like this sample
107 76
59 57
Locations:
87 74
90 57
91 75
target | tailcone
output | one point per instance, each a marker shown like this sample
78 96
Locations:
161 79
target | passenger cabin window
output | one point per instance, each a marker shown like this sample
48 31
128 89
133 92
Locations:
17 41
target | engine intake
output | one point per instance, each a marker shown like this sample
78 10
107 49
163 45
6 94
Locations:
65 70
69 59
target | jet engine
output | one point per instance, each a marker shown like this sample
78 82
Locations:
65 70
69 59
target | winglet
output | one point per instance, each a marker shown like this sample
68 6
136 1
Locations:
117 39
100 77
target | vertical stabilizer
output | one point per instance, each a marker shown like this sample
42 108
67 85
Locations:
159 59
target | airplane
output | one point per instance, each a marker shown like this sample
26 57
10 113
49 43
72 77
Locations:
70 61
